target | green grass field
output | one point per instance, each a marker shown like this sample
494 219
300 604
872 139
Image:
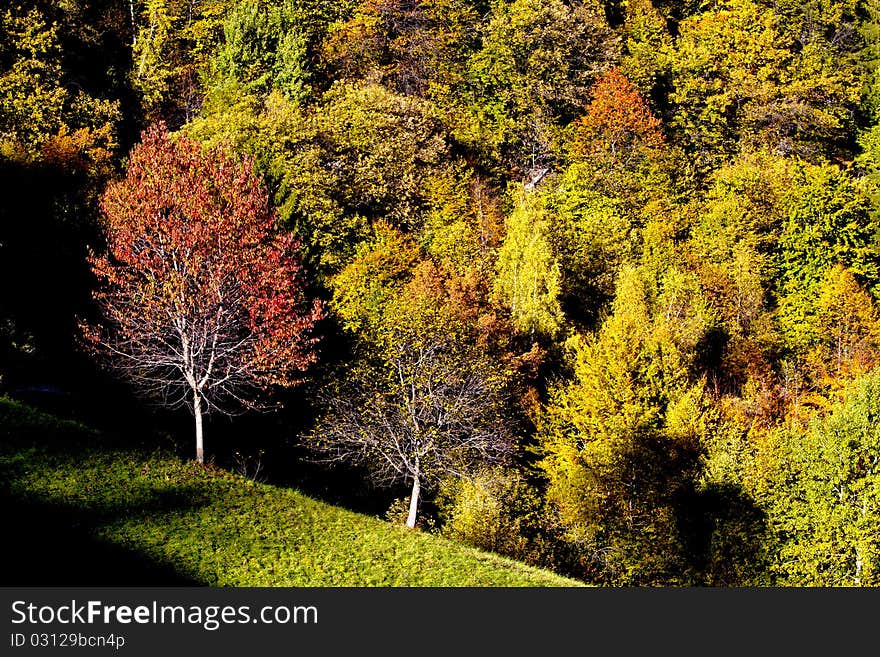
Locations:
85 512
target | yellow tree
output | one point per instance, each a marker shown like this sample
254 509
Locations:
425 402
614 461
528 276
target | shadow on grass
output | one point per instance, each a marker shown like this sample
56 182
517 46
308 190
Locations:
54 545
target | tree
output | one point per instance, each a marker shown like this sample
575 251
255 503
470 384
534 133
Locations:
528 275
618 122
427 405
823 495
270 45
646 42
617 452
171 46
593 234
59 120
202 303
847 326
742 76
828 221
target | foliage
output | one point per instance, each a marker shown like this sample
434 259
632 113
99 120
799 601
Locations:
617 122
376 274
737 544
635 243
534 69
528 276
365 155
823 499
270 46
828 222
386 147
646 43
200 301
61 117
38 100
163 69
847 326
415 48
743 77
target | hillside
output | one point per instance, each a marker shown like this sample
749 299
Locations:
88 512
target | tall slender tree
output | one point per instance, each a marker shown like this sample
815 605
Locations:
429 404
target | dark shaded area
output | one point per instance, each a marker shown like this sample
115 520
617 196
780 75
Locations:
582 302
709 361
726 536
43 238
53 546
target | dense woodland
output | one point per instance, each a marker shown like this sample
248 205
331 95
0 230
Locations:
601 279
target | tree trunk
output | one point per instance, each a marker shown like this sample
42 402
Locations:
413 504
197 412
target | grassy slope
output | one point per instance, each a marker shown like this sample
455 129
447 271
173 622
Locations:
210 527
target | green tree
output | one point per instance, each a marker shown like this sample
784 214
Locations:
62 71
824 497
169 46
154 65
501 511
829 222
464 224
646 44
847 325
32 98
270 46
378 272
533 73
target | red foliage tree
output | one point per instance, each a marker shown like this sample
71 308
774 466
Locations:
618 120
203 301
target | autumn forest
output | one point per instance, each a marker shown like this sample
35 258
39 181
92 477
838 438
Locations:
590 284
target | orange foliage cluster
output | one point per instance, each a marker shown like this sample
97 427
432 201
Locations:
618 119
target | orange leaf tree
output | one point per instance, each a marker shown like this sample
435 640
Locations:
618 120
203 301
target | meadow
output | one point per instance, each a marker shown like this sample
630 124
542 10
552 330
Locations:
85 509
